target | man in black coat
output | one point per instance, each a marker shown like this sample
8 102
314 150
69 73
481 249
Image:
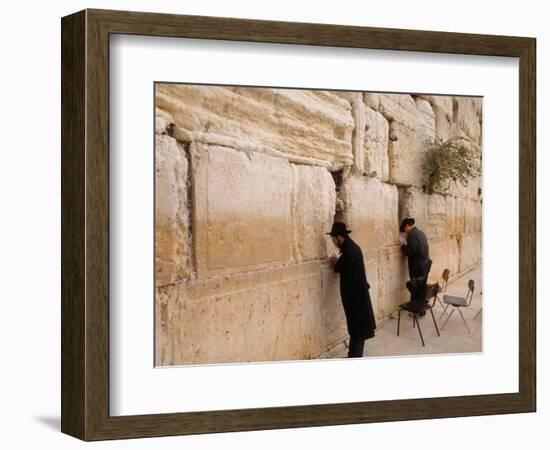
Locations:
417 250
354 289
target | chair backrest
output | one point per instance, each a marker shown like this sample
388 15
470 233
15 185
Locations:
431 293
470 294
445 278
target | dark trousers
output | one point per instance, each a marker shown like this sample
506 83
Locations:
356 346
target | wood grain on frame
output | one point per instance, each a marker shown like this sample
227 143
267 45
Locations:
85 224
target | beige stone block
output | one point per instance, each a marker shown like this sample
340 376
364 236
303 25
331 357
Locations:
371 258
470 251
358 111
393 276
445 255
441 102
467 117
162 121
370 211
425 120
171 212
405 162
299 123
334 319
241 210
399 108
265 315
472 216
313 204
376 145
439 216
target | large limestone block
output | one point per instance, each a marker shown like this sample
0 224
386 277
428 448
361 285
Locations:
371 258
313 203
425 121
167 329
393 276
405 162
162 121
370 211
376 144
256 316
467 117
439 216
399 108
409 143
443 124
300 123
441 102
470 251
334 319
472 216
171 212
241 210
445 255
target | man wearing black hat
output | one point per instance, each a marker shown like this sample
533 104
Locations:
417 250
354 289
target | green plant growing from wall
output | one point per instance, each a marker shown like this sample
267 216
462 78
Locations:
447 162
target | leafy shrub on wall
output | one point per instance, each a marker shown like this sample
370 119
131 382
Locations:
447 162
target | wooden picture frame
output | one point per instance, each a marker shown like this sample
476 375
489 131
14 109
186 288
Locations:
85 224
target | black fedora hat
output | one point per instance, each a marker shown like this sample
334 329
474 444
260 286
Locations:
406 221
339 229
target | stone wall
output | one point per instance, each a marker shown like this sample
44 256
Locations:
248 180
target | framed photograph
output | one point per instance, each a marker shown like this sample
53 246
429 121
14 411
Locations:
273 224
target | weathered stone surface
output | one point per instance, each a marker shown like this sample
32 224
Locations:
376 145
399 108
442 102
393 275
425 121
466 118
162 121
440 215
408 144
358 111
242 268
171 212
241 209
445 254
470 251
258 316
405 164
315 124
334 320
472 216
313 203
370 211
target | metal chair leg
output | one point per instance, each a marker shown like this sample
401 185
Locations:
419 331
478 314
444 311
398 320
435 323
464 320
448 317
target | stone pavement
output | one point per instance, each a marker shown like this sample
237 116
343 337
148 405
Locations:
454 337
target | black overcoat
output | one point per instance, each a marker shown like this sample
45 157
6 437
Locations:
354 290
418 254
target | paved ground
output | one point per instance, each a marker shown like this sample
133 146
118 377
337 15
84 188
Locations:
454 337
